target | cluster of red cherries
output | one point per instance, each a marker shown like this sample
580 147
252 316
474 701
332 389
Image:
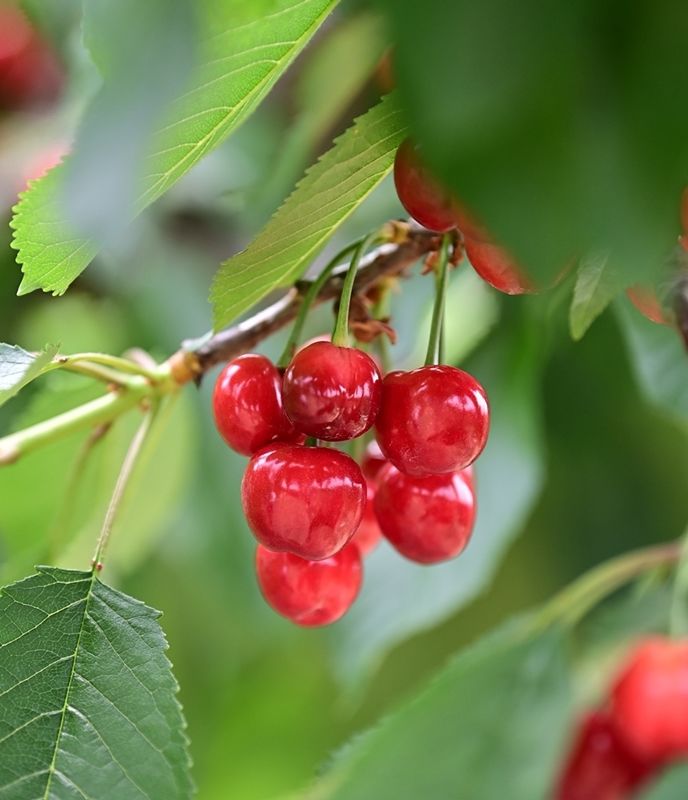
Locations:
313 509
642 729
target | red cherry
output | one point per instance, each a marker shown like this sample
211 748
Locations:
650 700
432 420
368 535
496 267
645 300
373 461
247 403
420 193
427 519
303 500
599 765
331 392
309 593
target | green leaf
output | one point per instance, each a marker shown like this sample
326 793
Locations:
672 785
528 138
658 359
454 740
509 475
245 47
88 704
17 368
330 191
597 284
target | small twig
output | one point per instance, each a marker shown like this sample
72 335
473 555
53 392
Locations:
120 487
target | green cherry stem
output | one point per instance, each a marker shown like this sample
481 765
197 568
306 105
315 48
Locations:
128 465
340 335
434 354
313 291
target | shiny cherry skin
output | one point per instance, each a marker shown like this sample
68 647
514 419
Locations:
599 765
331 392
432 420
310 593
428 519
645 299
368 535
650 699
308 501
247 404
496 267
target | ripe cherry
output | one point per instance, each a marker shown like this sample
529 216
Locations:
368 535
433 419
247 403
303 500
600 766
650 700
427 519
496 267
645 299
332 392
309 593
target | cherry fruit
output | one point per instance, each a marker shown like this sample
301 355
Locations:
247 403
645 299
433 419
496 267
420 193
600 766
308 501
650 700
373 461
427 519
331 392
368 535
309 593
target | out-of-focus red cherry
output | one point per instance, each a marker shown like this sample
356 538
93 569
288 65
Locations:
368 535
497 267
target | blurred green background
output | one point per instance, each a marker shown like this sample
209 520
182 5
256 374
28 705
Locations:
587 457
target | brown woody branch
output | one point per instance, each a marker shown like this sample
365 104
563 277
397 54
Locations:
194 358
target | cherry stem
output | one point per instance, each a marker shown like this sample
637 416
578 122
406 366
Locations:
313 291
434 354
128 465
340 335
678 616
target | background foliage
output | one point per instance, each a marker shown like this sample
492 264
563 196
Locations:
550 123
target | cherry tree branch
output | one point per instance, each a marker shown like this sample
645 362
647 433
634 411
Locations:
408 244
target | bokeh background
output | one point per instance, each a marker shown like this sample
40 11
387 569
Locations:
587 457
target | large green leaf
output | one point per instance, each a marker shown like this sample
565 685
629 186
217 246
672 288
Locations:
330 191
491 725
88 704
559 123
508 478
597 283
17 368
244 47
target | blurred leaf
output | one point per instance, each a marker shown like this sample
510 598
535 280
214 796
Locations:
245 47
672 785
453 739
658 359
337 69
17 368
330 191
87 697
560 124
508 479
597 284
